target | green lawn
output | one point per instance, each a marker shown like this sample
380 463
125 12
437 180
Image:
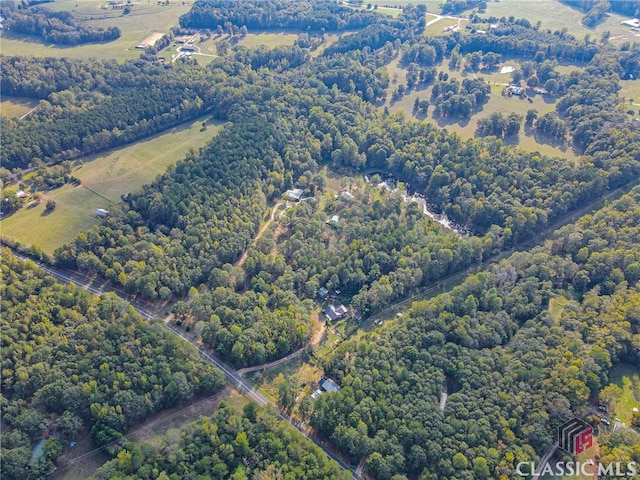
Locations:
145 18
497 103
107 176
12 107
554 15
627 377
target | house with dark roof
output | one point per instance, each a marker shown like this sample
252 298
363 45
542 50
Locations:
335 313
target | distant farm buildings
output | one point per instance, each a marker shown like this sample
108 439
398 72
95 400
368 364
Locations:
21 194
101 213
633 23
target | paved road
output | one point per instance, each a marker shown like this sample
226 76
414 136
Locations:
232 375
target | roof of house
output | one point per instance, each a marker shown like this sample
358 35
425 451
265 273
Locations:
21 194
295 194
335 220
323 292
329 385
346 195
334 312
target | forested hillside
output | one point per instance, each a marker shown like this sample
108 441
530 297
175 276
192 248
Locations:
219 227
512 372
254 444
90 106
72 361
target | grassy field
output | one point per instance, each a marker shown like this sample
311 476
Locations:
304 372
554 15
627 377
107 176
497 103
145 18
15 107
440 26
556 307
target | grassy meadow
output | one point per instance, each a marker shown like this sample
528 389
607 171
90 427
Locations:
16 107
105 178
554 15
497 103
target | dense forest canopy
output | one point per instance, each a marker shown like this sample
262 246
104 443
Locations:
512 372
90 106
72 361
307 15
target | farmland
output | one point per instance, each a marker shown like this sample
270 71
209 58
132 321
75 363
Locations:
135 26
555 15
107 176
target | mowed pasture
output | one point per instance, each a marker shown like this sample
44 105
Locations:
555 15
104 178
16 107
144 19
466 128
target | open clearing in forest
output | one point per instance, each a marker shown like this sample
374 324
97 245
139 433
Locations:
16 107
145 18
526 140
164 425
627 377
108 176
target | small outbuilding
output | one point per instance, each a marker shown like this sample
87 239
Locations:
346 196
101 213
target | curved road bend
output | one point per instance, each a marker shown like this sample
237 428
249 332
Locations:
233 376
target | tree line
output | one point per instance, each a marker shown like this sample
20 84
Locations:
308 15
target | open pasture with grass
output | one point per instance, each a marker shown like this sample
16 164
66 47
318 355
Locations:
527 140
555 15
144 19
104 179
16 107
